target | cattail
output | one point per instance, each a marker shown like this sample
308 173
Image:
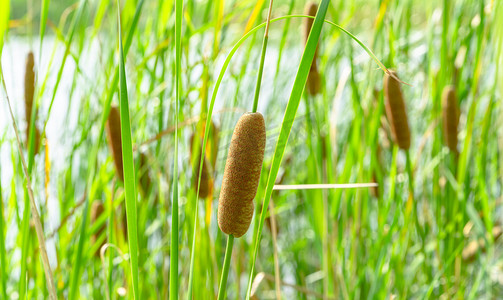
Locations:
313 79
206 186
114 139
395 110
450 115
97 210
145 180
242 174
29 92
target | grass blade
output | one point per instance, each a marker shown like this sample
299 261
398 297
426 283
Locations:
3 261
173 269
128 165
43 23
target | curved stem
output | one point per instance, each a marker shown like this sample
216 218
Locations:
225 270
262 59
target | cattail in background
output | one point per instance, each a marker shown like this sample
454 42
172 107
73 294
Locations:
395 110
206 186
114 139
97 210
450 116
145 180
313 80
29 92
242 174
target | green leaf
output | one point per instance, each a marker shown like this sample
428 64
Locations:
128 165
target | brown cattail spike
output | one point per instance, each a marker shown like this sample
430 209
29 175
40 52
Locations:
145 180
97 209
206 186
450 116
242 174
395 110
114 139
313 79
29 92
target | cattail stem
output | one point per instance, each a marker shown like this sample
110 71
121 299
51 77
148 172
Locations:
415 211
262 59
225 270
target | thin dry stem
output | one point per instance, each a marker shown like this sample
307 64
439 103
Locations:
36 218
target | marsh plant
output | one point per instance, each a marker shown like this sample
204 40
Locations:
145 144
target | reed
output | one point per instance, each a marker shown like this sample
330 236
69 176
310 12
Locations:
395 110
113 128
450 117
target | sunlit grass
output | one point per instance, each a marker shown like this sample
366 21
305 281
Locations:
194 64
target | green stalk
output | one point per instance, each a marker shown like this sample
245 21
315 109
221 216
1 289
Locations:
173 268
3 261
262 59
128 165
225 270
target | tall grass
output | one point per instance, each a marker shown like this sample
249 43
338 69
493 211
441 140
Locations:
429 231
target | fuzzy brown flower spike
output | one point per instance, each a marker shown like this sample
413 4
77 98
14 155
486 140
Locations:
450 116
29 92
97 209
313 79
395 110
241 175
114 139
206 186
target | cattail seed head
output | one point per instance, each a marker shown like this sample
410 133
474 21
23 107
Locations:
313 78
242 174
29 92
206 186
450 116
114 139
395 110
97 209
310 10
145 180
29 86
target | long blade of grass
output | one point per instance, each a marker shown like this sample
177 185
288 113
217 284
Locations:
173 268
128 165
3 261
